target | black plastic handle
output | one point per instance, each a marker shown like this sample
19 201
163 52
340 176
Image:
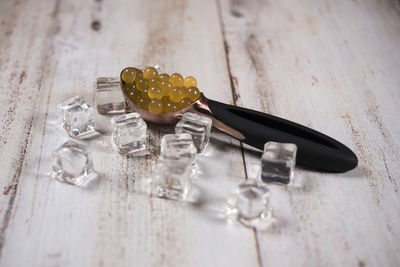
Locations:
314 150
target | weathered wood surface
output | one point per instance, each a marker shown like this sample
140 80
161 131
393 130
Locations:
331 65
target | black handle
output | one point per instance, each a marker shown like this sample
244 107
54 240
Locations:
314 149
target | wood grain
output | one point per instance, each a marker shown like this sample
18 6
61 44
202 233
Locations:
22 73
330 65
116 222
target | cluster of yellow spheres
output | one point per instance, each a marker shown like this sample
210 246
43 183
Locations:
159 93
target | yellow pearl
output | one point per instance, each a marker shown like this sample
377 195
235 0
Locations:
130 87
176 79
154 82
190 82
156 106
128 75
155 92
170 107
142 85
145 92
143 101
166 87
165 99
150 73
164 77
132 92
184 102
134 97
193 93
139 75
176 94
185 91
131 96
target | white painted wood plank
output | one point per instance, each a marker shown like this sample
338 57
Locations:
334 66
115 222
346 84
25 44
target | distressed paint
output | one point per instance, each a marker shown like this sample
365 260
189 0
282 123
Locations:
331 65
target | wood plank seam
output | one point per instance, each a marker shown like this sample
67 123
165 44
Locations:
235 97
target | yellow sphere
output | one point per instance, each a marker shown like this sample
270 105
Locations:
154 82
164 77
132 93
131 96
156 106
176 79
176 94
165 99
185 91
155 92
143 101
145 92
166 87
184 102
135 97
170 107
128 75
130 87
142 85
193 93
139 75
150 73
190 82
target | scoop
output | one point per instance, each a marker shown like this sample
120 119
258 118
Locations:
314 149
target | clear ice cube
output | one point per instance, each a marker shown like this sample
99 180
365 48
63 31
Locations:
249 205
71 164
179 147
172 181
278 162
129 133
198 127
76 116
109 97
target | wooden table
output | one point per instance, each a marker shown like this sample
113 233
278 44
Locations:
330 65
